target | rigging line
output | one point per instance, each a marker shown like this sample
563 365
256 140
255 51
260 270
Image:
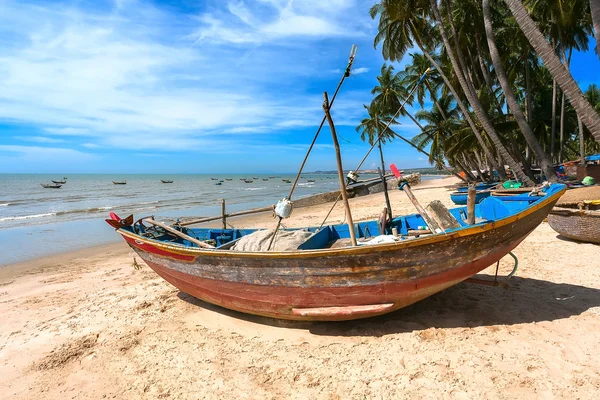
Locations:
337 89
346 74
395 115
379 138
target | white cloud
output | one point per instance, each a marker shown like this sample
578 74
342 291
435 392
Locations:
361 70
129 77
38 139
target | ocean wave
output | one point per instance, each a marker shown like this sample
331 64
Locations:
20 217
4 204
261 188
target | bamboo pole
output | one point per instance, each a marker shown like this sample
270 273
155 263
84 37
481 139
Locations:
340 169
223 214
233 214
471 195
433 226
385 192
180 234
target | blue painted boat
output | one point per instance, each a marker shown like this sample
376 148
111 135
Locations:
479 186
460 198
324 277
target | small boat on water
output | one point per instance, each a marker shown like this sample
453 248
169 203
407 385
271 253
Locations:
265 179
218 183
248 181
119 182
310 180
228 179
214 179
51 185
460 198
287 180
166 181
577 215
61 182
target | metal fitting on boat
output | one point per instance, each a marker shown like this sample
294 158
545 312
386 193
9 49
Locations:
352 176
283 209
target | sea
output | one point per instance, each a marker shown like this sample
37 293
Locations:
36 222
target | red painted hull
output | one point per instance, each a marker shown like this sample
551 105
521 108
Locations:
337 284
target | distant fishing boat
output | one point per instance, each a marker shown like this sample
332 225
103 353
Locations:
218 183
119 182
228 179
248 181
64 180
51 185
265 179
272 177
287 180
165 181
255 178
215 179
310 180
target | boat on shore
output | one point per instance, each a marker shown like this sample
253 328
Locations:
577 215
460 198
478 186
119 182
325 278
51 185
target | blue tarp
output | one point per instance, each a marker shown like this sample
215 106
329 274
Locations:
594 157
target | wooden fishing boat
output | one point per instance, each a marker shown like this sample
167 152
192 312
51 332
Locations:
310 180
287 180
248 181
214 179
120 182
218 183
61 182
460 198
228 179
577 215
479 186
166 181
321 280
51 185
265 179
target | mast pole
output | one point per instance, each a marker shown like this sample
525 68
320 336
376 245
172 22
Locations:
340 169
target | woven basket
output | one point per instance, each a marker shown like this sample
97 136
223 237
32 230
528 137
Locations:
572 219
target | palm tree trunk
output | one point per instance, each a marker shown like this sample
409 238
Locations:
477 107
595 9
588 115
581 141
462 107
487 76
552 147
513 105
434 98
562 110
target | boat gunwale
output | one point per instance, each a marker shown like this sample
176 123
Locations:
466 231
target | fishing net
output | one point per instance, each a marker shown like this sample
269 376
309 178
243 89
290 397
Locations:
259 240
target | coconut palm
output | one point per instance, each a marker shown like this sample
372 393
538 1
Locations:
562 76
474 101
514 106
595 9
403 24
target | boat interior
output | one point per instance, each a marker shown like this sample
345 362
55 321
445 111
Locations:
333 236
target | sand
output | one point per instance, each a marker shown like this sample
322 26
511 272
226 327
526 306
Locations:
90 325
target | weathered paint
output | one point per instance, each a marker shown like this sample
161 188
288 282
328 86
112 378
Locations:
274 284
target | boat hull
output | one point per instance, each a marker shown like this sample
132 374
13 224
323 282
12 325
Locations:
337 284
460 198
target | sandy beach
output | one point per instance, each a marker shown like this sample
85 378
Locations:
91 325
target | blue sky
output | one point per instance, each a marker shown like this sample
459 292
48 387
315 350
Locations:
188 86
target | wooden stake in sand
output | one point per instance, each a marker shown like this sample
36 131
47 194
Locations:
471 195
338 158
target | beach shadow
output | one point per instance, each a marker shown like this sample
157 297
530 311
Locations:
566 239
462 306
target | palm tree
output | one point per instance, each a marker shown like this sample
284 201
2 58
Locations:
413 73
441 123
514 106
474 101
595 9
402 24
562 76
